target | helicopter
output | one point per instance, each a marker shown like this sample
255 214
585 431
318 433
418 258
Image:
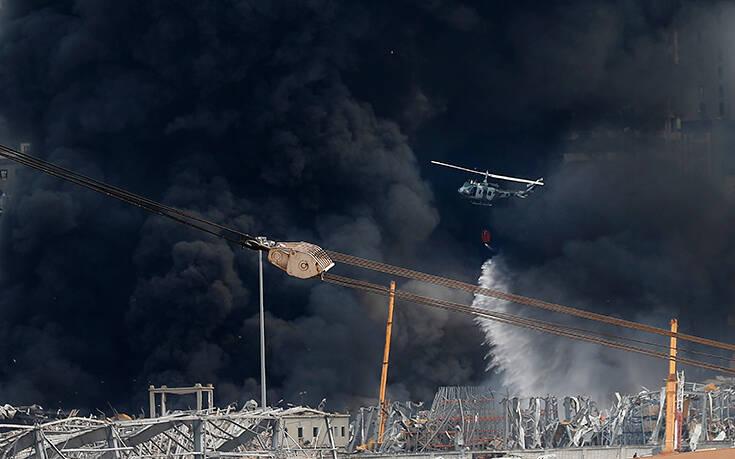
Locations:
483 193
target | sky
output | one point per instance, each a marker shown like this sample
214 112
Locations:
316 120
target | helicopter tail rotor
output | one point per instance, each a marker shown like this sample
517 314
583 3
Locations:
529 188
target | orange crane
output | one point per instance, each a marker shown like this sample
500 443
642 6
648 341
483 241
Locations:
670 436
383 403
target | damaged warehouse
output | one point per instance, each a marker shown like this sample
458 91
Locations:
214 432
461 418
477 418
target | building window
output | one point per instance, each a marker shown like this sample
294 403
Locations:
316 432
3 174
343 431
301 432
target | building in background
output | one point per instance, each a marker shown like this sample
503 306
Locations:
696 130
700 123
8 171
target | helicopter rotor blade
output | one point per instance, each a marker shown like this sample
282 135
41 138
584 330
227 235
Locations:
488 174
458 167
515 179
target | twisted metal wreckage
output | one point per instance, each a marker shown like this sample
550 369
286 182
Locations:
476 418
249 432
460 417
473 418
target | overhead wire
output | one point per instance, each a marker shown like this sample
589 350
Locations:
178 215
532 324
253 243
517 299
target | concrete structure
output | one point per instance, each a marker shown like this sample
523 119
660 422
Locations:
623 452
307 428
727 453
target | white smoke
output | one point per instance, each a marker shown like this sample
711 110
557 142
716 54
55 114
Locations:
534 363
512 347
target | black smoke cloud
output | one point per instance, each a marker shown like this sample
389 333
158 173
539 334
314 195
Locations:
630 239
236 111
300 120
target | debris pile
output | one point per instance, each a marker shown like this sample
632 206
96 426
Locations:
30 415
248 432
477 418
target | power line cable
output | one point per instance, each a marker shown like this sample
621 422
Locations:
253 243
518 299
533 324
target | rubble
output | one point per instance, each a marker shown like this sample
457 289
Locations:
460 418
32 414
476 418
247 432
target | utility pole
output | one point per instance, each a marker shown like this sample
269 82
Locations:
671 427
262 332
386 356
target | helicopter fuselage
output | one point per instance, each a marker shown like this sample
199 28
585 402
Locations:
481 193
